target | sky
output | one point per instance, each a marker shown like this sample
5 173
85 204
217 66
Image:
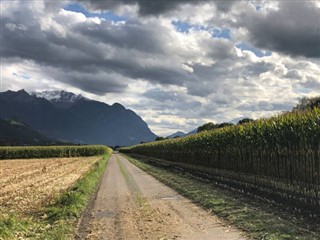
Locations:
178 64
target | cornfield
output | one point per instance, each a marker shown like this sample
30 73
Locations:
281 153
52 151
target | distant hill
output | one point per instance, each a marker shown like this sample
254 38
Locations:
194 131
13 133
236 120
182 134
70 117
176 134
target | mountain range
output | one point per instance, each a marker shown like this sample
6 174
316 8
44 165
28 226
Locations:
69 117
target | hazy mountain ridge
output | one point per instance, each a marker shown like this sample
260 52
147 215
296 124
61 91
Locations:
194 131
177 134
182 134
74 118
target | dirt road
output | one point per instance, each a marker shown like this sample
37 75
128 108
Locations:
131 204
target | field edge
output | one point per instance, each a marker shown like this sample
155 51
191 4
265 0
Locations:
58 220
259 221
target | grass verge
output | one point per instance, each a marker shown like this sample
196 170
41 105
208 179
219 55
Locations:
258 219
58 220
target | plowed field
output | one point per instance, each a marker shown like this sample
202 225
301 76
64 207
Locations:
26 185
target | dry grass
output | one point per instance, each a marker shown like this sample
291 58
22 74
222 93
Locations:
28 185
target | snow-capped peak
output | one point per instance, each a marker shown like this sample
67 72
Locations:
59 96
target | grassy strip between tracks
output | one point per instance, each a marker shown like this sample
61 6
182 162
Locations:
143 203
59 219
259 220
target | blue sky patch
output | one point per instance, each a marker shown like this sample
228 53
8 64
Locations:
259 53
76 7
24 75
185 27
182 26
258 7
301 89
221 33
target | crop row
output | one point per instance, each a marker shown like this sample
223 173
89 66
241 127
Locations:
52 151
280 152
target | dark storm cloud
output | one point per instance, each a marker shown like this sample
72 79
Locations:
225 5
85 49
159 6
45 47
185 75
132 35
152 7
294 29
71 60
98 83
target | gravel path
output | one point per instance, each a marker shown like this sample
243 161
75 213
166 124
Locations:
131 204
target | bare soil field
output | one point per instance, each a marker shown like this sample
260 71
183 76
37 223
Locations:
27 185
131 204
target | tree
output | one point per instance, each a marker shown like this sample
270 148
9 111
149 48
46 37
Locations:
245 120
315 102
211 126
224 124
160 138
206 127
307 104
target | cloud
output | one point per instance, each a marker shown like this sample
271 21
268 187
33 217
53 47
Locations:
74 43
132 35
174 100
311 82
98 83
293 29
151 8
293 74
176 80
